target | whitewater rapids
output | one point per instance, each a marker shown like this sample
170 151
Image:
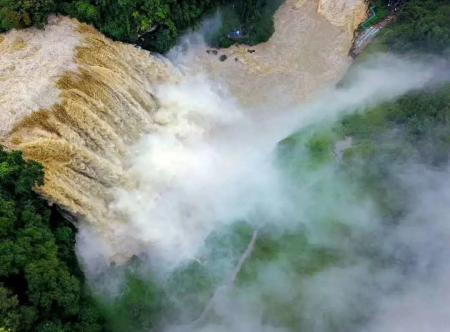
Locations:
81 104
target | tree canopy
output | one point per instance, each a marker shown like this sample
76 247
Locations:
422 25
153 24
41 285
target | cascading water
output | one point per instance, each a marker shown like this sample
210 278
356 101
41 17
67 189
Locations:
179 163
88 100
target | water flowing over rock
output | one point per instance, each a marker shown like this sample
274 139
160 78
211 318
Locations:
76 101
73 100
307 52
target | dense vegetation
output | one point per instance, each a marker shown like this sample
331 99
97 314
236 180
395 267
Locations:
154 24
252 18
421 26
413 130
409 134
378 10
41 285
414 127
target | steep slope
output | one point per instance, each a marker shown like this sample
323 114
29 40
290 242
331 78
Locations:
73 100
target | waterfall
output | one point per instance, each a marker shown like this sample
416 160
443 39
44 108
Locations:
79 103
103 101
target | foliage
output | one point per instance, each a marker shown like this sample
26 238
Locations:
423 25
414 128
24 13
387 140
41 287
146 302
380 9
137 308
124 20
253 18
153 24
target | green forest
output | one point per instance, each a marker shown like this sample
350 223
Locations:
153 24
422 26
42 287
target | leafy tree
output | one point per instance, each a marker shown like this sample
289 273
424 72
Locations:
153 24
9 315
422 25
254 19
41 288
24 13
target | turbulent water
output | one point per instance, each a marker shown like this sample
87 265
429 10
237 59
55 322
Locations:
182 169
74 101
80 104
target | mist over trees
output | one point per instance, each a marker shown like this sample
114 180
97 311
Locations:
41 285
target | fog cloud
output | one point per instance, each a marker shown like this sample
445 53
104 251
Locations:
211 163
